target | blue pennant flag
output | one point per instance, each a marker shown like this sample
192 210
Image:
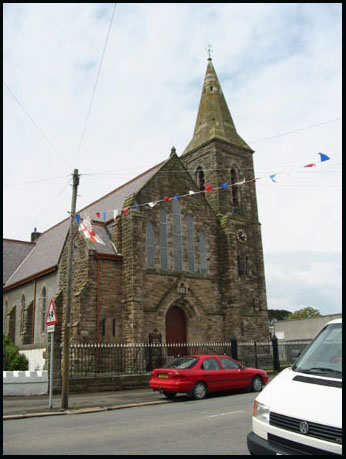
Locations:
77 219
324 157
224 185
272 178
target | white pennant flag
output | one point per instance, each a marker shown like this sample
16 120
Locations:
115 213
152 204
192 192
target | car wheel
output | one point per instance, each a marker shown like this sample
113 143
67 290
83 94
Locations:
257 384
199 391
169 395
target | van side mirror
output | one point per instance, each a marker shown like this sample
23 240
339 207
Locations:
294 354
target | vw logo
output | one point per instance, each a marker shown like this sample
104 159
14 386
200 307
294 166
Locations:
304 427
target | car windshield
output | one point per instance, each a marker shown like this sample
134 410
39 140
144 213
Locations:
182 363
324 355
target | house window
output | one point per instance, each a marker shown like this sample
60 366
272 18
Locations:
203 251
163 239
234 189
114 327
200 179
103 327
150 245
22 315
178 265
43 308
5 317
190 247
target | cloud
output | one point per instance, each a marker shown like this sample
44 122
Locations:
299 279
279 66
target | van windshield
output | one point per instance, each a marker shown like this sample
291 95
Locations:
324 355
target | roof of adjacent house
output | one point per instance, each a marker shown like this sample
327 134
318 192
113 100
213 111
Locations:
35 259
14 252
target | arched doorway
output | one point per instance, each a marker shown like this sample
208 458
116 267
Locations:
176 330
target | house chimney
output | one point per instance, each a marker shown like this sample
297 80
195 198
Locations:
35 235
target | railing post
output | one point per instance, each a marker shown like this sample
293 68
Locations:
276 360
256 361
234 348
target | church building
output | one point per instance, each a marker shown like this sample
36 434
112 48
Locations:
183 258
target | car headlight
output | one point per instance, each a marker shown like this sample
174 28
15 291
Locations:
260 412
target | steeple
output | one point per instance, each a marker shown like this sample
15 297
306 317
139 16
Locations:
214 120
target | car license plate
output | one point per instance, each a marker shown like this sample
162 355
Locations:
162 375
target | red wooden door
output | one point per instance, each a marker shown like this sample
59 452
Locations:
176 330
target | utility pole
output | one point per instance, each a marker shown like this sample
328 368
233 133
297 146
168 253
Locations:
66 345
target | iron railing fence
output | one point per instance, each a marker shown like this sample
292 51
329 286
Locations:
89 359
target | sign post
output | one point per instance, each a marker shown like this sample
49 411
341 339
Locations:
51 321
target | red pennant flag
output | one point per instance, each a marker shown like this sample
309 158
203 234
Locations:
310 165
208 188
125 210
98 214
168 199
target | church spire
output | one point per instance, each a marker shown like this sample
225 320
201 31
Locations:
213 119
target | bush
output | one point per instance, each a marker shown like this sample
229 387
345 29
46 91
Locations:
11 358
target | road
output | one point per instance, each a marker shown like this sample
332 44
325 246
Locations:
217 425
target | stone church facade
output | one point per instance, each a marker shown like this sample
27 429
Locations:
189 268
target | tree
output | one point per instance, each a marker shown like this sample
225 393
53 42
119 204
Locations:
304 313
11 358
277 314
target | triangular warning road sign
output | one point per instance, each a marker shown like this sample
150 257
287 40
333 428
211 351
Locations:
51 317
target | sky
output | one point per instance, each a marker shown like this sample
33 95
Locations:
110 89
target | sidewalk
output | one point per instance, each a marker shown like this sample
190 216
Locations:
38 405
18 407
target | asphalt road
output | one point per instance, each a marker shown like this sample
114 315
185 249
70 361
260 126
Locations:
217 425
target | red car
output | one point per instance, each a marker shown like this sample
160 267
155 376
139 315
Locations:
197 375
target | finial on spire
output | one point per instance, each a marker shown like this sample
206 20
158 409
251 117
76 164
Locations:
209 50
173 151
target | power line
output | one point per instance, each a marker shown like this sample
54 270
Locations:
94 89
37 126
297 130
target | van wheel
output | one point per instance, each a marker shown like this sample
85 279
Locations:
257 384
199 391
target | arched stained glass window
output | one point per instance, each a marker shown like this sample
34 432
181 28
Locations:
190 245
163 239
150 244
177 252
200 179
234 189
203 252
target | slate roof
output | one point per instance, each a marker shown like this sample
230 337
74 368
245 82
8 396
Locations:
44 254
13 252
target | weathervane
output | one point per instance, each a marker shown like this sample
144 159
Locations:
209 51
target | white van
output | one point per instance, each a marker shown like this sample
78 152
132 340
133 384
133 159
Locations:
299 411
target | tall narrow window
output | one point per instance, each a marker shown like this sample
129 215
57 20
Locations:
5 317
43 308
22 314
203 251
178 264
200 178
234 189
150 245
163 239
190 248
114 327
